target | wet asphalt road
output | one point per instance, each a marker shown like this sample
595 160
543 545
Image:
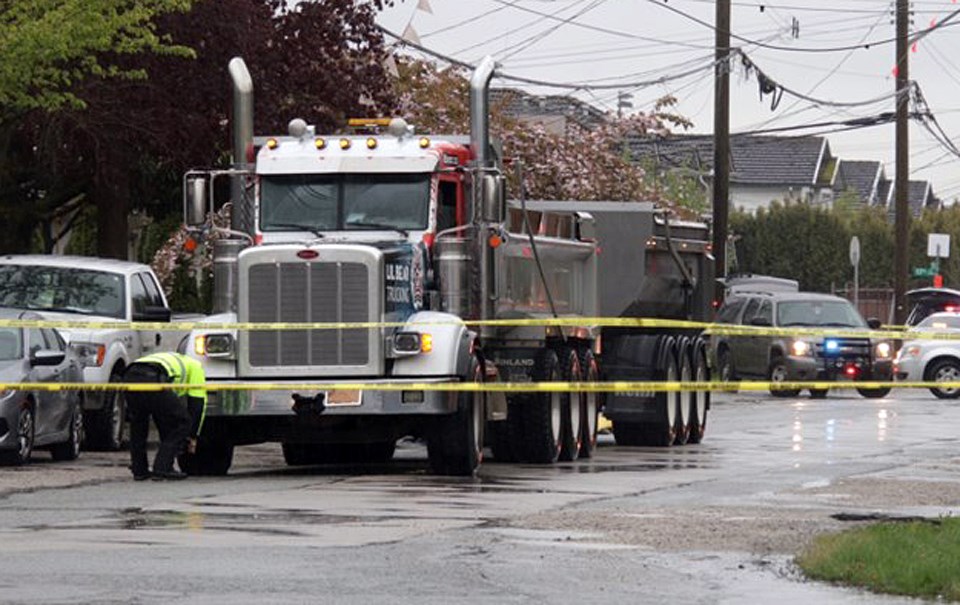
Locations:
713 523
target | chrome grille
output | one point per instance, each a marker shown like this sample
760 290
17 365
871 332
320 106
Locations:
309 292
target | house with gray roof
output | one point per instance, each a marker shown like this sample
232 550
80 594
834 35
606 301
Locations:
763 169
920 197
861 178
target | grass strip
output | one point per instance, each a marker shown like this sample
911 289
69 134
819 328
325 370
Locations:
916 558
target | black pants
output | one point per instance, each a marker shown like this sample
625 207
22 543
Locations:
169 413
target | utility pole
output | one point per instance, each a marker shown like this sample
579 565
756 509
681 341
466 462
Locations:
721 141
902 178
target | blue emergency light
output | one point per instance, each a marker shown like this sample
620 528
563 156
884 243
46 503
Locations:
831 346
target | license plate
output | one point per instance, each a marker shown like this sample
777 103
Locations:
339 398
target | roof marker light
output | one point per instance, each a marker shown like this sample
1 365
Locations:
424 142
371 143
272 143
344 143
320 143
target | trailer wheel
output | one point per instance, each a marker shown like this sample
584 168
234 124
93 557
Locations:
455 446
629 433
591 404
573 404
700 402
662 432
684 399
543 414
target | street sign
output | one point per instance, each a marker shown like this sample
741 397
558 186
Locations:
854 250
938 245
923 272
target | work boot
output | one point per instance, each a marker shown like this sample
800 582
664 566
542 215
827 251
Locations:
170 475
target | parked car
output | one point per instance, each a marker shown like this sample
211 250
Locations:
924 357
781 358
925 301
101 291
34 419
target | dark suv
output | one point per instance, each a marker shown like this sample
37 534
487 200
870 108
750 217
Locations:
780 358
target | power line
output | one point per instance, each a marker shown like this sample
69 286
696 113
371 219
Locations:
911 39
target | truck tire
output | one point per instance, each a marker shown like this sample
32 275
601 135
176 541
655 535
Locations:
543 414
875 393
299 454
684 398
570 434
213 458
662 431
700 402
778 373
455 445
105 431
591 404
506 436
818 393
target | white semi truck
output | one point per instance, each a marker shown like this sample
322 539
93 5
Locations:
387 226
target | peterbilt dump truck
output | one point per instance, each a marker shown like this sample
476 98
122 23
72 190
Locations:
392 248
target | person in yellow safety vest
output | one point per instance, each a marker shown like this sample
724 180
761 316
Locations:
177 412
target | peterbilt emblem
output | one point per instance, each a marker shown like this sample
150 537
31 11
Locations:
308 254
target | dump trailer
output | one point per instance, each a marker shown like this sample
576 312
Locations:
375 258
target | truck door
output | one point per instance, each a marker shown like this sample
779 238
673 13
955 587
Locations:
143 294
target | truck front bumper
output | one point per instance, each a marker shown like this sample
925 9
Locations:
273 399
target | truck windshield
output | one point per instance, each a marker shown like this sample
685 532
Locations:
62 289
819 313
344 202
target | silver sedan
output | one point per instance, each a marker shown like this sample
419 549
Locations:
931 352
37 418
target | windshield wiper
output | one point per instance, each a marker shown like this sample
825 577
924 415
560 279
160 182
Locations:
312 229
382 226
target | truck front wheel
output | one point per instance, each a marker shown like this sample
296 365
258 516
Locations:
213 458
455 446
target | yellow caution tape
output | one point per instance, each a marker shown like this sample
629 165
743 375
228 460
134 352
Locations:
629 322
509 387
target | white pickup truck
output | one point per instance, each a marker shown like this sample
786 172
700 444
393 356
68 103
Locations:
75 288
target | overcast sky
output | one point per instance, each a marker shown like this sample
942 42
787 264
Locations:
799 44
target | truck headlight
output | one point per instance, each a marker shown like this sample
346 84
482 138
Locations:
800 348
90 354
884 350
411 343
213 345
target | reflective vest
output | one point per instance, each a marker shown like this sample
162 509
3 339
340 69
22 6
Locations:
181 370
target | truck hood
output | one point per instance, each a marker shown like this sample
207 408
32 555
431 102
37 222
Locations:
78 334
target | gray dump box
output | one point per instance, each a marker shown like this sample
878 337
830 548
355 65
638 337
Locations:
649 267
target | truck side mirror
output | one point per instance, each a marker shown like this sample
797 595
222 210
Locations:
195 199
873 323
494 198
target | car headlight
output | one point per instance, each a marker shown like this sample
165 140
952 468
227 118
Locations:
801 348
90 353
883 350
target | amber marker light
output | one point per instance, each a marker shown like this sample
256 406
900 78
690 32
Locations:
371 143
200 345
424 142
426 343
494 241
190 244
272 143
344 143
320 143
